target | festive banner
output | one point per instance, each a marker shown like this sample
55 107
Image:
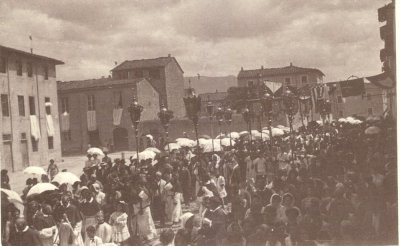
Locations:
65 125
35 129
91 120
117 115
49 125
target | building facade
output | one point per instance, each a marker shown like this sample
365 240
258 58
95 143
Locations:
29 110
290 75
164 73
370 103
94 112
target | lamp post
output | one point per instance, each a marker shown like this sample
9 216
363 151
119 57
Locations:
219 115
210 112
165 116
290 103
266 102
193 107
228 121
247 118
135 111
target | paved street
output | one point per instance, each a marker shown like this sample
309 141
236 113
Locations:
73 164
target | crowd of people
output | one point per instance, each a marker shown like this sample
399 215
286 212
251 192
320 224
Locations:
331 184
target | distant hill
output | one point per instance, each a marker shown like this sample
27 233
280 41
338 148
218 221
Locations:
211 84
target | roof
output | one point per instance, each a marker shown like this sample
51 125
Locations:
146 63
94 83
264 72
55 61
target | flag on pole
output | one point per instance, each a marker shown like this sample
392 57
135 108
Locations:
317 95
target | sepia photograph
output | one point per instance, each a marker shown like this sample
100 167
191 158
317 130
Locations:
198 123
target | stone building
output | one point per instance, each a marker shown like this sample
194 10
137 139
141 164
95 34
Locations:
94 112
370 103
290 75
164 73
29 109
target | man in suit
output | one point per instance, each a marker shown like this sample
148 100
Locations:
25 235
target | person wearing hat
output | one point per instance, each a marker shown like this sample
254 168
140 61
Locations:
118 221
187 235
52 170
158 204
88 208
103 229
88 162
98 194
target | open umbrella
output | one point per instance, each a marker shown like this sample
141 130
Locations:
95 151
185 142
372 130
227 142
155 150
276 132
220 136
172 146
40 188
208 146
66 178
255 134
205 137
12 196
33 170
146 154
285 128
243 133
234 135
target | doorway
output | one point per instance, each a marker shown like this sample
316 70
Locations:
120 137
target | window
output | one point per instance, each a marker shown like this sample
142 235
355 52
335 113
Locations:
64 105
32 109
23 136
138 73
91 103
287 81
250 83
21 105
117 99
304 79
339 99
50 142
34 144
18 65
5 109
29 69
47 105
67 135
370 111
155 73
340 113
6 137
3 65
46 72
368 96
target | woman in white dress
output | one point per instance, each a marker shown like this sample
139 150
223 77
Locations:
142 223
118 221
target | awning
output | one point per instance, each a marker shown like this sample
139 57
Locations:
383 80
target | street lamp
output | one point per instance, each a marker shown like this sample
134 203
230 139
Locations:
267 101
228 121
247 115
219 115
135 110
290 103
210 112
165 116
193 107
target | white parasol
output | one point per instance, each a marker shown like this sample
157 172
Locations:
227 142
95 151
12 196
185 142
40 188
155 150
34 170
172 146
66 178
234 135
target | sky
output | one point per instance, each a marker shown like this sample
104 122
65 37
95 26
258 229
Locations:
207 37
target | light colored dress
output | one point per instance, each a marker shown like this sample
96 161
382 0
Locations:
118 222
142 223
177 207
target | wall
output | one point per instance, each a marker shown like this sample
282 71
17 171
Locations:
149 99
39 88
295 79
174 86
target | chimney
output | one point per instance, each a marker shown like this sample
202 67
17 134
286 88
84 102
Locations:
291 64
169 55
262 67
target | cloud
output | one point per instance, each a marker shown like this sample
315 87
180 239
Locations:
210 37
